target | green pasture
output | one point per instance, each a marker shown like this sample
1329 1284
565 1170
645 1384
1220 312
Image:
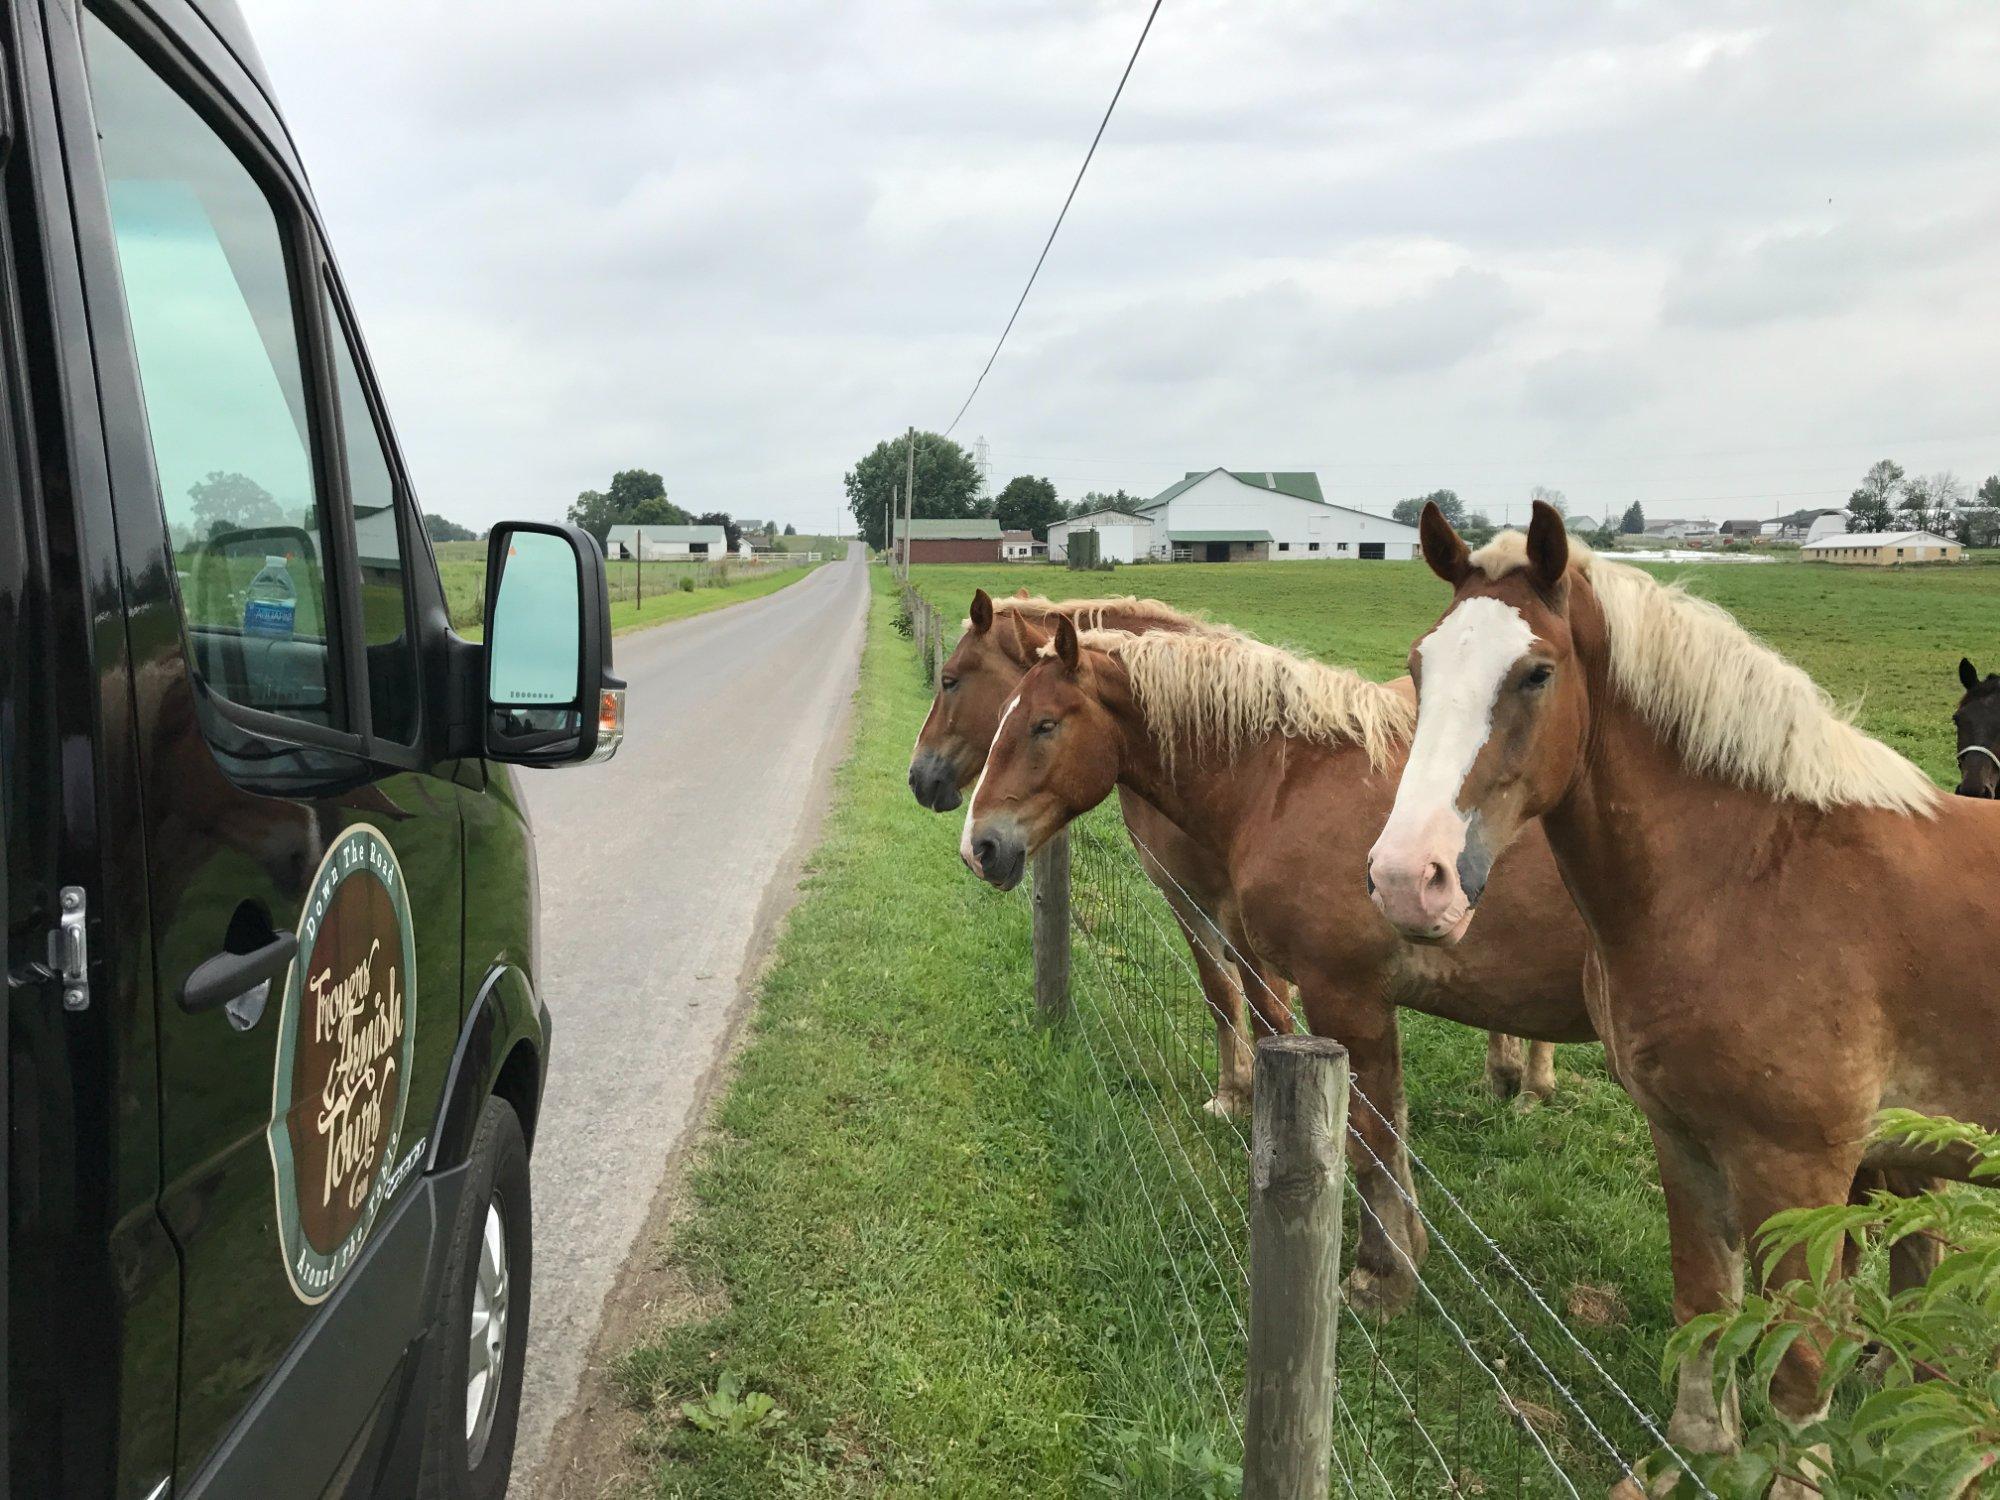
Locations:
1887 640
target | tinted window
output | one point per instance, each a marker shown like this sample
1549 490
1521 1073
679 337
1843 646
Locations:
385 609
209 296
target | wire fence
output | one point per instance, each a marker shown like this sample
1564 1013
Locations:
1483 1386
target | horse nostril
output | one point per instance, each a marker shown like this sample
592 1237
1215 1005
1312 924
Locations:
984 851
1434 876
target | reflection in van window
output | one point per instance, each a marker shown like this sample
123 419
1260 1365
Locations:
537 643
209 300
378 545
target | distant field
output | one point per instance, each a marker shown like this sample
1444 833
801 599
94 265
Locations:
1887 639
462 566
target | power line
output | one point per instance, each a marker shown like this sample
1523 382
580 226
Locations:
1144 31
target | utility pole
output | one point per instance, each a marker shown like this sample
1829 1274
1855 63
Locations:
889 527
909 494
638 567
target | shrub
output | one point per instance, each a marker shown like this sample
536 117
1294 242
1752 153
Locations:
1932 1426
687 584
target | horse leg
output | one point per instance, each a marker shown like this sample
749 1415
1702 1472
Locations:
1765 1181
1267 995
1219 986
1707 1254
1392 1242
1503 1064
1541 1080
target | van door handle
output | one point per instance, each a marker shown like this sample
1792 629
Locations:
228 976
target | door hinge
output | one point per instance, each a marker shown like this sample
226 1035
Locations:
69 948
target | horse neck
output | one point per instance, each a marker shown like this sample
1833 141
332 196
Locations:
1202 795
1635 818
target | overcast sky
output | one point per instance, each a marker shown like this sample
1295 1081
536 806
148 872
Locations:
1717 258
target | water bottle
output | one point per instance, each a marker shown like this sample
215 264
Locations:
271 606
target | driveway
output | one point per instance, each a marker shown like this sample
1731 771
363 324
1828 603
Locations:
654 873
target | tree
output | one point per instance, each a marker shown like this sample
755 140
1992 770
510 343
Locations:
1028 504
1989 493
441 530
635 497
1932 501
1869 508
947 485
1409 512
231 502
730 529
1634 523
1478 529
1555 499
790 529
1096 500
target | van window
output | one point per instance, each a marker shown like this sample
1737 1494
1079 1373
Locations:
385 606
209 297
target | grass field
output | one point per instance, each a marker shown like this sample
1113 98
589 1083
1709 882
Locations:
462 567
1886 639
966 1257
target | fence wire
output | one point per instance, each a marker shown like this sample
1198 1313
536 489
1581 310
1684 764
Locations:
1481 1387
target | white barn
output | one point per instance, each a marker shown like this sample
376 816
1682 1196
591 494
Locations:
667 543
1281 516
1121 535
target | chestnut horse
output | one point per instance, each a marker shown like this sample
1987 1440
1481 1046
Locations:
978 677
1788 928
1978 724
1280 769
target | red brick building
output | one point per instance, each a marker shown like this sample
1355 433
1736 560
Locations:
970 541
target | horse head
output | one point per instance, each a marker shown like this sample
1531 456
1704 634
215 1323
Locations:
1978 724
1502 718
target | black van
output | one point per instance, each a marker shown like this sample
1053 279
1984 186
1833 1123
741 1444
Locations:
273 1048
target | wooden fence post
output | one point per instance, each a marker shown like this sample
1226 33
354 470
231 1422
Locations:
937 652
1298 1162
1051 905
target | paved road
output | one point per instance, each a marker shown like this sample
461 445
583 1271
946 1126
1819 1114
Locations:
652 872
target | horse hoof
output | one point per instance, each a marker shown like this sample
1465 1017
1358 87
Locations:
1504 1081
1529 1099
1379 1295
1227 1107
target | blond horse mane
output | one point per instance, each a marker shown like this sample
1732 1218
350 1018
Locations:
1089 614
1218 693
1733 708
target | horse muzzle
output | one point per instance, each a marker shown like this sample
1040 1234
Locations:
933 781
1427 887
997 855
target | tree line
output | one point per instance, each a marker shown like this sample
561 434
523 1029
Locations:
1889 499
638 497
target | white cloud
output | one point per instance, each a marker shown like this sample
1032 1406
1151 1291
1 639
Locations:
1412 245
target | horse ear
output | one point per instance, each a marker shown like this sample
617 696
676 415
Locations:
1548 546
982 612
1027 640
1022 592
1069 650
1444 549
1968 673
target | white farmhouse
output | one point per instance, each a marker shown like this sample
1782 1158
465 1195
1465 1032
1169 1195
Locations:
667 543
1234 516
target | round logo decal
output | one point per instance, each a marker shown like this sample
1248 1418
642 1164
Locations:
346 1037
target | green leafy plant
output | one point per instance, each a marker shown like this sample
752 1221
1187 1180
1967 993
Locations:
687 584
731 1411
1170 1465
1931 1426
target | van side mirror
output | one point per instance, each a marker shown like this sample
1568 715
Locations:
550 698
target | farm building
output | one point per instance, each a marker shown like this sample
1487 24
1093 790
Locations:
1121 535
974 539
1225 515
667 543
1742 531
1827 523
1883 549
1021 546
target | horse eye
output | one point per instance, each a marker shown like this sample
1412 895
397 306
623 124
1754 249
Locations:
1539 677
951 684
1045 726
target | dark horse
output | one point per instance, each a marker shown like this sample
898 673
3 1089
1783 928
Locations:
1978 721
